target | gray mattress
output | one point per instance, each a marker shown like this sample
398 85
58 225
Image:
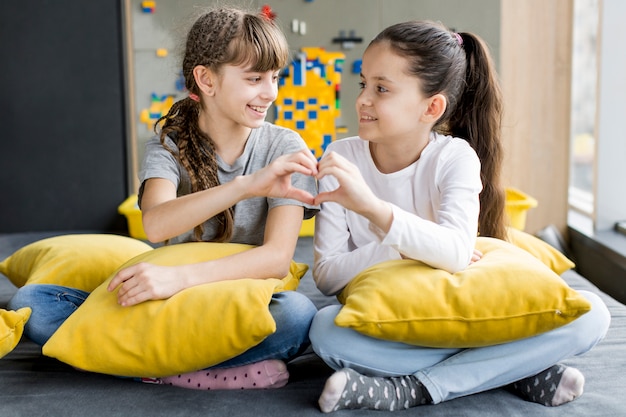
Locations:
34 385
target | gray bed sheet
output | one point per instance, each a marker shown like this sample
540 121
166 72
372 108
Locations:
33 385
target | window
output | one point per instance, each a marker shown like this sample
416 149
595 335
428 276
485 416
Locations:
598 142
583 120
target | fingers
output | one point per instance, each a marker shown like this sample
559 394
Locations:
274 180
127 291
311 160
326 196
476 256
300 195
120 278
352 192
337 166
132 288
292 167
132 297
302 161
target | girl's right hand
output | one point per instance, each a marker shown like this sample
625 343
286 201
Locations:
275 179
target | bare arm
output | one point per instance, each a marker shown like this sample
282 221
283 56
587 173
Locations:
145 281
165 216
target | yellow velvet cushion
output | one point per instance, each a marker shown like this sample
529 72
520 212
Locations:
11 328
507 295
194 329
80 261
543 251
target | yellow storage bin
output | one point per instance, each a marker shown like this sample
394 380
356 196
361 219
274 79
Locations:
130 209
516 205
308 227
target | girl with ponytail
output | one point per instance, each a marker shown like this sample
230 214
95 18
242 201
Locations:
420 182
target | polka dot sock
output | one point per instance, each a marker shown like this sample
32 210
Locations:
347 389
557 385
270 373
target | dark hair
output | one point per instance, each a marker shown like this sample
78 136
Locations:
218 37
459 66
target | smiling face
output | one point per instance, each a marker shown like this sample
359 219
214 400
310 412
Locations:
390 104
242 96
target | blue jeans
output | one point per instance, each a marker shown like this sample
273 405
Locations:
51 305
453 373
293 312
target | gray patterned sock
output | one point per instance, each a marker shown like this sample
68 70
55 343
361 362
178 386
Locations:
557 385
347 389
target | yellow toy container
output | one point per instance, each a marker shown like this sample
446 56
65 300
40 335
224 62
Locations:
308 227
516 205
130 209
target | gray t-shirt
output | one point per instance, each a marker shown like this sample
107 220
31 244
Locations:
264 145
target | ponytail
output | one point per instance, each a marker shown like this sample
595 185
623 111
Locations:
478 118
196 154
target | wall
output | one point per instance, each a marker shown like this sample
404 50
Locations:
62 97
535 68
63 156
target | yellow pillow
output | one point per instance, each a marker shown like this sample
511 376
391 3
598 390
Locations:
11 328
194 329
80 261
507 295
543 251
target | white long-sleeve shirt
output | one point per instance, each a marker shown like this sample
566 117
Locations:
435 204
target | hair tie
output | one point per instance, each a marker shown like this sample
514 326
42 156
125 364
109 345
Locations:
267 13
194 97
459 39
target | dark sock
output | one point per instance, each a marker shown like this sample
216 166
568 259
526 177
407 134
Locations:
347 389
557 385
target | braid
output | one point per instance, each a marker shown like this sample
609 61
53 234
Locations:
478 120
226 31
209 39
196 154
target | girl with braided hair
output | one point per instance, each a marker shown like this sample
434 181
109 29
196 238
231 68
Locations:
419 182
218 172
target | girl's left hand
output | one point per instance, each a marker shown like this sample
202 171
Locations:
144 281
353 192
